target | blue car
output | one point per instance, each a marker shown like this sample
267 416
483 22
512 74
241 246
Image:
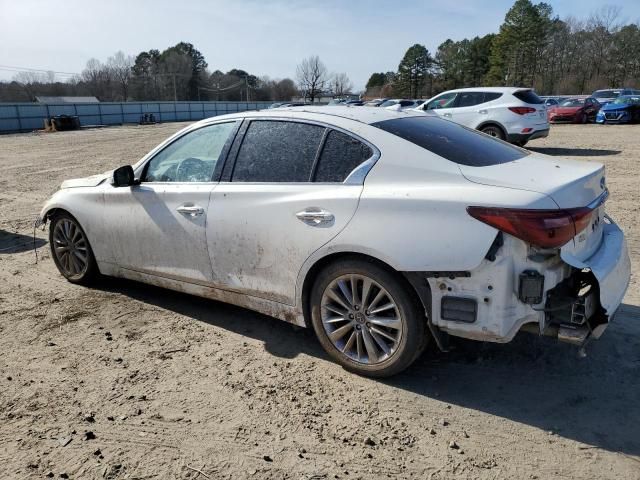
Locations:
624 109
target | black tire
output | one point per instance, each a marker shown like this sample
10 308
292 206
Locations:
69 257
413 336
494 131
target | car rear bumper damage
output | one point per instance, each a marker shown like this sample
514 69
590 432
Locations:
517 289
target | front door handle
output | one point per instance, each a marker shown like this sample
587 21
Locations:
316 217
447 115
191 210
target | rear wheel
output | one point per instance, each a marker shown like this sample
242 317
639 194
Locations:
494 131
70 249
366 319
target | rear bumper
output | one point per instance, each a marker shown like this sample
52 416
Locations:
611 266
525 137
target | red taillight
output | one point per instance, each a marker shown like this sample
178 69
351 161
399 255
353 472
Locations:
522 110
544 228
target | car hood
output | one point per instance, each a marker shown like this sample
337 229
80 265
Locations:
564 110
615 106
570 183
91 181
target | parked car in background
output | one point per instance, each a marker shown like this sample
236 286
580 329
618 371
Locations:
402 104
551 101
355 103
609 95
624 109
376 102
310 215
574 110
516 115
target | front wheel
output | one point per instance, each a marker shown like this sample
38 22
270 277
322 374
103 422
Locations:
70 249
366 319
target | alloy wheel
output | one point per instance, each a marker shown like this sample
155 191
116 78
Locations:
70 247
361 319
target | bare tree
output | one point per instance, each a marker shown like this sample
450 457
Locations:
340 84
312 77
120 68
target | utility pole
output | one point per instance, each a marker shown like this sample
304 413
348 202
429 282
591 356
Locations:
175 94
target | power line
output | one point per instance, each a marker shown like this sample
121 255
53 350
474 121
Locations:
11 68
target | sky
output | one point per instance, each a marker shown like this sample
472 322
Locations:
268 37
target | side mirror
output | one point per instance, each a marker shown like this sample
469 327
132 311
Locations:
123 177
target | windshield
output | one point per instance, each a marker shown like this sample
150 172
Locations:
625 100
574 102
606 93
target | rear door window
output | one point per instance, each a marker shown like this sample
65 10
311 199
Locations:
277 151
469 99
528 96
452 141
341 154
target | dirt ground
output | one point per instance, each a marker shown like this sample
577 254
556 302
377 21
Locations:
129 381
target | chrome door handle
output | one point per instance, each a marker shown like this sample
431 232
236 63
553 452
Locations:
482 112
191 210
447 114
315 217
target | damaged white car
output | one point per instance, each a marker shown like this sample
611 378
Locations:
381 230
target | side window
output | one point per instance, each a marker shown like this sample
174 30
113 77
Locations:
490 96
469 99
277 151
445 100
192 157
340 155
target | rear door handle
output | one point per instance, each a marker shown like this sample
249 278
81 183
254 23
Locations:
483 112
447 114
191 210
315 217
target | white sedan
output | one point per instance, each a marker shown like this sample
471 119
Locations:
381 230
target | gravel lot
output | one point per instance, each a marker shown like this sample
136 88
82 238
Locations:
130 381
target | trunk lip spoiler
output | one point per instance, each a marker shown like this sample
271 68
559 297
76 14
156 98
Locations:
599 200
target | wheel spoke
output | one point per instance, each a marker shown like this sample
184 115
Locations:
366 288
369 346
359 346
338 333
379 296
349 345
335 309
342 285
384 307
336 298
378 331
392 322
355 298
381 343
335 320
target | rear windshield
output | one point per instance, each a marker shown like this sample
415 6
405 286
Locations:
574 102
452 141
528 96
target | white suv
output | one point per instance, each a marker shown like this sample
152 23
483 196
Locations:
516 115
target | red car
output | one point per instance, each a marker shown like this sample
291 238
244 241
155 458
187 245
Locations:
574 110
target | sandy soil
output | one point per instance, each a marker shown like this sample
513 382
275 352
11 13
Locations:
128 381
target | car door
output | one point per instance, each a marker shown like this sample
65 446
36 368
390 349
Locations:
442 104
289 191
466 109
158 226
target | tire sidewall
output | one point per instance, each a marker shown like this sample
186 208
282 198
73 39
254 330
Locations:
413 335
499 135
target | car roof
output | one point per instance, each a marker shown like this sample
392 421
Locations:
490 89
355 113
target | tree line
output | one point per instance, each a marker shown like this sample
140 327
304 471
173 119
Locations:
533 48
178 73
